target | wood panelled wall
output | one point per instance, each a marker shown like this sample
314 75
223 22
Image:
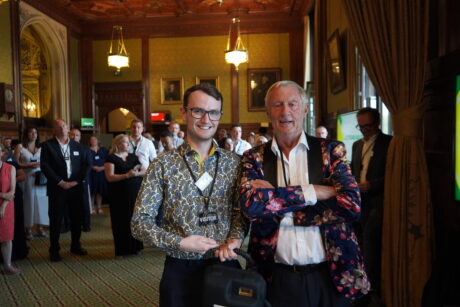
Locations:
439 136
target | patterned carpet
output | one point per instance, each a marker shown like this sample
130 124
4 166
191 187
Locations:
93 280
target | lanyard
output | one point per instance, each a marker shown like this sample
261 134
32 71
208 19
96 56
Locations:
371 145
282 164
65 152
206 199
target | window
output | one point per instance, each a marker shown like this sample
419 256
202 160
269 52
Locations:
367 95
310 119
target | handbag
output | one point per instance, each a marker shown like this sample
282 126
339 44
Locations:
40 178
232 287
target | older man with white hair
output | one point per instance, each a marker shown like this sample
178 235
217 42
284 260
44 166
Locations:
301 198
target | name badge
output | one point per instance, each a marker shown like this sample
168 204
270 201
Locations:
76 153
204 181
9 160
96 157
205 219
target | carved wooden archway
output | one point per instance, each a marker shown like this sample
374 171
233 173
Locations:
114 95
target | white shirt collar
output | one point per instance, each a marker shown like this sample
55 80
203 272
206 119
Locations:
302 141
371 139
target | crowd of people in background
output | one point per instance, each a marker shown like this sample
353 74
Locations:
111 176
55 186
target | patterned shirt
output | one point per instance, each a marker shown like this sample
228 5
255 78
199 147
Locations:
168 190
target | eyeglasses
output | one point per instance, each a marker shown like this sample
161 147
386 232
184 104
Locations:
199 113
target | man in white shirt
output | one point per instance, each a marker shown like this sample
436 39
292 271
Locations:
300 196
239 145
140 146
174 128
368 165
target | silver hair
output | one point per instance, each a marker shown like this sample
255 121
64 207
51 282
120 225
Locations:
283 83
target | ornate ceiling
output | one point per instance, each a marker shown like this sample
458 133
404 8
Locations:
134 9
161 18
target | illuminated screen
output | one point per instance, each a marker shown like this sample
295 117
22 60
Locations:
157 116
347 132
87 122
457 139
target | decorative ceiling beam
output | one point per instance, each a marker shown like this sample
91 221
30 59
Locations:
194 26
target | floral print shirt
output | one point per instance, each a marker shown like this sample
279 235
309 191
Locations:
265 208
168 191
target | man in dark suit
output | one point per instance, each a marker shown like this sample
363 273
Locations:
64 164
368 166
300 196
75 135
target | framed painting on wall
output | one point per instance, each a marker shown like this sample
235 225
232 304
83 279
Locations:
259 81
172 90
335 63
213 80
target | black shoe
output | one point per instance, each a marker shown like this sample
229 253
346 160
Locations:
80 251
55 257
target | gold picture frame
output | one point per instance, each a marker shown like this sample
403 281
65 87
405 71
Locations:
259 80
335 63
213 80
172 90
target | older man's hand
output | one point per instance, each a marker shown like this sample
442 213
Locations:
324 192
225 251
260 184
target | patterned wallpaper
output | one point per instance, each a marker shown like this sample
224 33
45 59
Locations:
265 51
191 57
102 73
6 68
188 57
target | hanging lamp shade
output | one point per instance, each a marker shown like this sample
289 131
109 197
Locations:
239 54
117 55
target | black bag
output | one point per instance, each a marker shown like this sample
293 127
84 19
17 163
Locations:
40 178
226 286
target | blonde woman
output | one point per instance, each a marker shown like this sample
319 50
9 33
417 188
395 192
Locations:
124 173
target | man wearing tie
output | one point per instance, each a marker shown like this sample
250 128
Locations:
64 165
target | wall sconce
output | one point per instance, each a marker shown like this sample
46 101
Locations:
29 106
117 56
239 54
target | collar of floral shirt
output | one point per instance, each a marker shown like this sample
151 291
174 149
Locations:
187 150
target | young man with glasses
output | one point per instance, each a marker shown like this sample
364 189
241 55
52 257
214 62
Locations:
368 165
193 188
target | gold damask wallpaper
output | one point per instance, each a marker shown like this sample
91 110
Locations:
201 56
6 67
189 57
102 73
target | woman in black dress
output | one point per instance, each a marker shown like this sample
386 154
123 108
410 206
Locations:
124 174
